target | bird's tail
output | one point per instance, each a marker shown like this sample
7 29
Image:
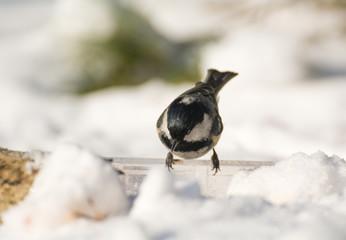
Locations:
218 79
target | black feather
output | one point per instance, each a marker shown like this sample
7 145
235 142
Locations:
218 79
182 118
185 146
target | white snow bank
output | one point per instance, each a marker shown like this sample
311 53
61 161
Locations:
72 183
169 207
157 188
167 211
300 177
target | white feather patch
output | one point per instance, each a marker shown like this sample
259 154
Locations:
163 127
187 100
201 130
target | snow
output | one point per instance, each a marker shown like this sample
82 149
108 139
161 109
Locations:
302 197
77 183
293 179
288 104
95 21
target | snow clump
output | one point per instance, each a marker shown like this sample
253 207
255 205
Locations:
72 184
298 178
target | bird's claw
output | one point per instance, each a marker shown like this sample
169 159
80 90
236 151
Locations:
216 162
169 161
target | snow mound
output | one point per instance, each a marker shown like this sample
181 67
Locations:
72 184
159 187
78 196
298 178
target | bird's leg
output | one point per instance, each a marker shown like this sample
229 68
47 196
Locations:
215 161
169 161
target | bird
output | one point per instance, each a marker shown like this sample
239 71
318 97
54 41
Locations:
191 125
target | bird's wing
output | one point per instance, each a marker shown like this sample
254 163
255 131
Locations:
217 127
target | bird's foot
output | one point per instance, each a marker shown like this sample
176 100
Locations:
216 162
170 161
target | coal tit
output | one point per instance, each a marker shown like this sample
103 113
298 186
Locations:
191 125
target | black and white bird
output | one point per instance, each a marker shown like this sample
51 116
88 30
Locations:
191 125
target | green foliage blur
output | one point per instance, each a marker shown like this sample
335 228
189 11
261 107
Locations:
134 54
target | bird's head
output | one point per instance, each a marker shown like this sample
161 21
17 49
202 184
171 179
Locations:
177 130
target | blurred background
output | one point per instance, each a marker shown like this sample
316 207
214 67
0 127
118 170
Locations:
99 73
